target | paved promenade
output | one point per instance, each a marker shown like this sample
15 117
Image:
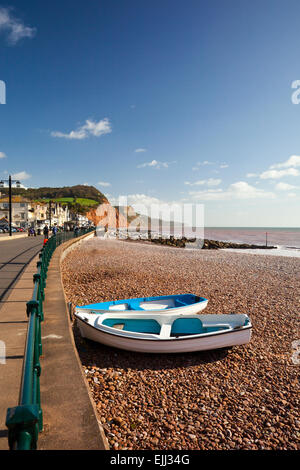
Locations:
13 327
66 426
18 258
15 254
15 235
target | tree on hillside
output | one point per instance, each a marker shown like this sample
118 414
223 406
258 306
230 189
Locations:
78 191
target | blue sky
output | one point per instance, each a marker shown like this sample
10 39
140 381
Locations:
162 101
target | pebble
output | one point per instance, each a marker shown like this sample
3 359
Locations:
244 398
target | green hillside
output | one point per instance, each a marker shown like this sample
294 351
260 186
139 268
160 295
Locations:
69 200
84 195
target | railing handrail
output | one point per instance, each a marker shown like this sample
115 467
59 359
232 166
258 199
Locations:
25 421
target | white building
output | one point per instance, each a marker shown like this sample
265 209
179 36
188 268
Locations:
20 211
33 214
59 214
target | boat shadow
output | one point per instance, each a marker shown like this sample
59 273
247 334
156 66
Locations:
102 356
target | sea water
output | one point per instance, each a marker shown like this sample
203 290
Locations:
287 240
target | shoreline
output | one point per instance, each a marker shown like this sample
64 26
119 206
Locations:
278 252
244 398
268 240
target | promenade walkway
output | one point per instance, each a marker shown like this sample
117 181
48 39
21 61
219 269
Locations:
15 254
15 235
70 420
13 327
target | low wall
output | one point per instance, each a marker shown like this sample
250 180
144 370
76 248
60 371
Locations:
70 418
74 243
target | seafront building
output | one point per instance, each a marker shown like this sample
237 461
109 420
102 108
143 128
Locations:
20 211
59 214
26 214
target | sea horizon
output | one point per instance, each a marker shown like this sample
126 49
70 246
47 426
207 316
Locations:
251 227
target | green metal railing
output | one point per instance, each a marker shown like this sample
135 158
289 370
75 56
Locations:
25 421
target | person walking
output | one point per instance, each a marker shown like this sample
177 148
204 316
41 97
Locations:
46 231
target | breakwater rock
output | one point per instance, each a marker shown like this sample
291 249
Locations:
215 244
205 244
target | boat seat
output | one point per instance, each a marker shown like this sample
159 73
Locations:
165 330
179 303
157 304
119 307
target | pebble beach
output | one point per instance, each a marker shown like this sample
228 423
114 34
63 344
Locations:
246 397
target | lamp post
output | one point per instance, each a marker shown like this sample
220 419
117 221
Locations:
50 214
10 181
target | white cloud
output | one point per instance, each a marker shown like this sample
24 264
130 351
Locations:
134 199
206 162
209 195
155 164
280 170
285 186
293 161
104 183
276 174
2 155
22 175
90 127
208 182
14 28
243 190
140 150
238 190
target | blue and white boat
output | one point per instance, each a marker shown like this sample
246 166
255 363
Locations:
175 304
164 333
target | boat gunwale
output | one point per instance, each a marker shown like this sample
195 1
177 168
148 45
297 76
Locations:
201 300
157 338
94 311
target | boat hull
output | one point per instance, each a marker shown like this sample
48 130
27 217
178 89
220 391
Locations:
172 345
186 304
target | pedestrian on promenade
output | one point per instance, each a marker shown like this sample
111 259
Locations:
54 230
46 231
